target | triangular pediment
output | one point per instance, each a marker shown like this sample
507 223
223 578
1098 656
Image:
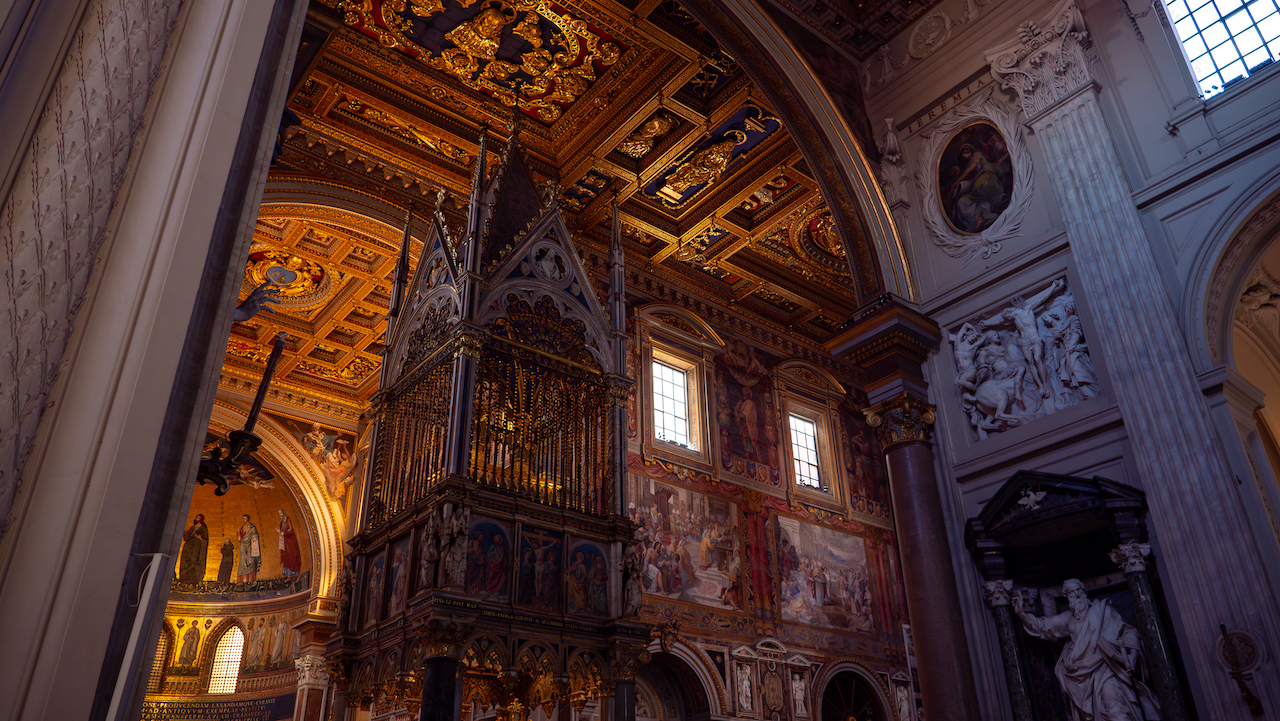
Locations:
1039 507
430 306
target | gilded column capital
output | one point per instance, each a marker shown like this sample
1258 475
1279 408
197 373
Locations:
1046 65
619 388
1131 557
904 418
444 637
626 659
468 342
997 593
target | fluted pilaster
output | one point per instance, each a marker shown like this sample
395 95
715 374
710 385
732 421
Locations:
1214 568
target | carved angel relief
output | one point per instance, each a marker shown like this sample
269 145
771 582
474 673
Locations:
1026 361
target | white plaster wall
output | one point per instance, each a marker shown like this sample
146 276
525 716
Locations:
87 475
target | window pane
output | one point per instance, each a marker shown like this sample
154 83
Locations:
1233 31
226 662
804 451
671 404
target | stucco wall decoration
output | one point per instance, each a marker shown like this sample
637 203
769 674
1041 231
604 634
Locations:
975 178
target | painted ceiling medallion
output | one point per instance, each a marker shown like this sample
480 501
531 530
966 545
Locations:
821 230
299 283
528 54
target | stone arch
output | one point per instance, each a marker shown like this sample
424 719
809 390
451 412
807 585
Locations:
689 323
702 688
863 676
1232 248
324 515
878 257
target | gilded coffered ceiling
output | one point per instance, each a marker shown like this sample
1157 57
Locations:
608 99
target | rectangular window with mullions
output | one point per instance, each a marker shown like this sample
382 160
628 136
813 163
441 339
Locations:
1226 40
804 452
671 404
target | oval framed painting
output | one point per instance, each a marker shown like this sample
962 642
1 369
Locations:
975 178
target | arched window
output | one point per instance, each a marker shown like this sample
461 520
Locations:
226 662
159 663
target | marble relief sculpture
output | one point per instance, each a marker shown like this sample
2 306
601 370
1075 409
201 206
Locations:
1100 666
1026 361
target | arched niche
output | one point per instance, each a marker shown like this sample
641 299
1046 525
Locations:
1233 248
703 693
303 473
836 676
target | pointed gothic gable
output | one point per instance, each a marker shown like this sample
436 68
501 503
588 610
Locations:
515 202
544 264
430 308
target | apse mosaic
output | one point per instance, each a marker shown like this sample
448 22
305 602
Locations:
688 543
251 543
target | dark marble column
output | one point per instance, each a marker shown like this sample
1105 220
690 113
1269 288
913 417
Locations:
1008 628
624 701
1132 559
933 601
441 689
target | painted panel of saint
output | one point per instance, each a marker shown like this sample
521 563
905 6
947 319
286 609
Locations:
588 580
689 544
539 576
373 593
822 576
399 576
746 414
489 560
975 178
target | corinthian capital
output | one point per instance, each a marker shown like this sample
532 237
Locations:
905 418
1131 557
997 592
313 672
1045 65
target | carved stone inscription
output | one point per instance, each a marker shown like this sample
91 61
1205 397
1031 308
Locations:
1024 362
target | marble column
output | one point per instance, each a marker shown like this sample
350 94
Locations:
933 602
441 688
313 679
1008 628
1215 570
1132 559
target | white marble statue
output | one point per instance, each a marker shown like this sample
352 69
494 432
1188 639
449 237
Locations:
744 687
1036 365
1099 668
798 706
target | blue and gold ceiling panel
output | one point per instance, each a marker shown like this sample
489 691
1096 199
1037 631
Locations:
580 194
709 160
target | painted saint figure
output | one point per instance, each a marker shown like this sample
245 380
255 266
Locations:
499 562
290 555
578 578
195 551
228 560
190 646
250 552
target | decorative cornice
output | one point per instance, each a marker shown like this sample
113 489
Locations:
1046 66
